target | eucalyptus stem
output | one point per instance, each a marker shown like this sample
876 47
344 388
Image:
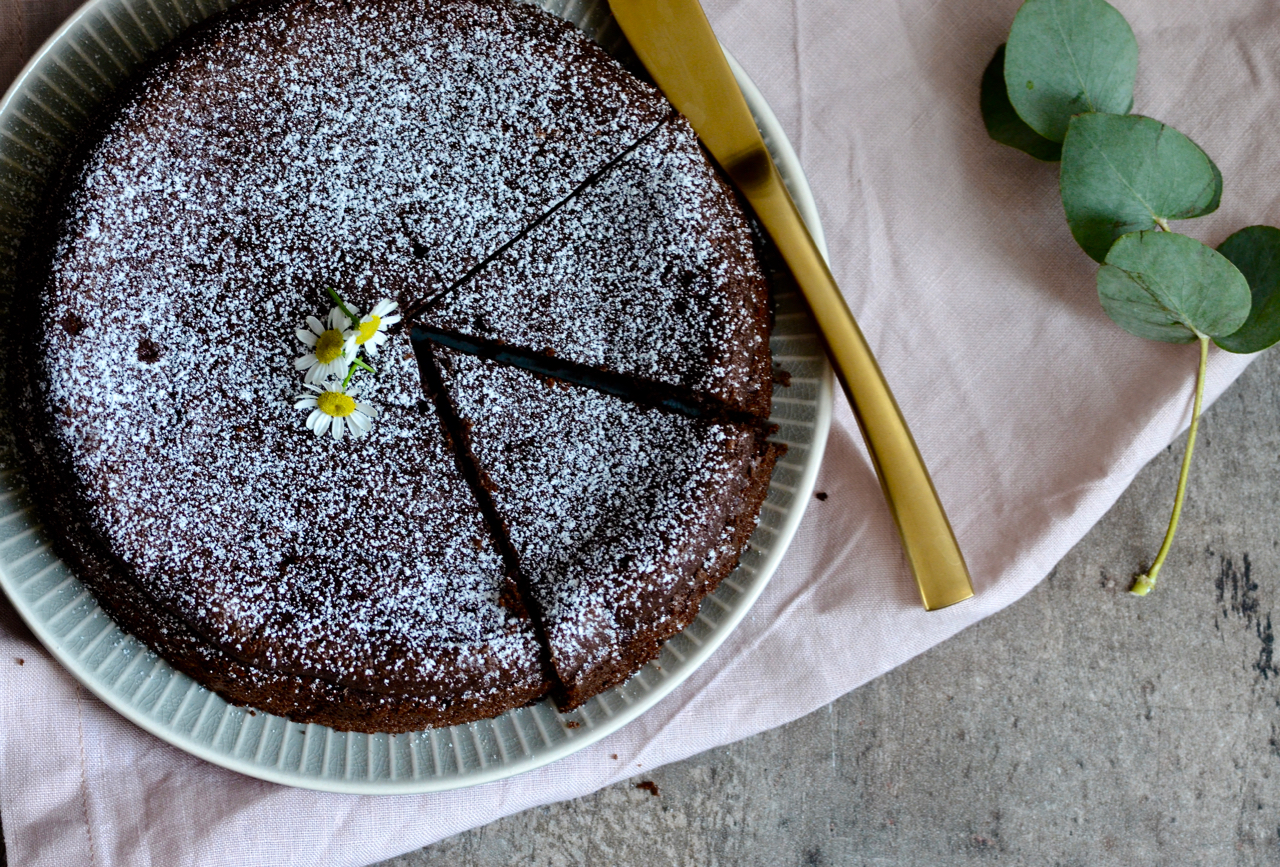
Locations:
1143 584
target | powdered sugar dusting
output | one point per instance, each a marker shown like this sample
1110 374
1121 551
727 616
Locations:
386 146
650 272
611 507
280 546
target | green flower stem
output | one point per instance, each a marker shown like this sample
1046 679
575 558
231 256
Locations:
1143 584
355 320
356 364
1160 221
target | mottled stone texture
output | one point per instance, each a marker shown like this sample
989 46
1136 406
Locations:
1079 727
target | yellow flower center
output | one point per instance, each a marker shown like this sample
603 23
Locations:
329 346
368 329
336 404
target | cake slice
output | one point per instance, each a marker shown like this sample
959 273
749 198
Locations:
621 517
649 273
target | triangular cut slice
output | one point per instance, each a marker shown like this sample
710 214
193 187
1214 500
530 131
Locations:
650 272
621 517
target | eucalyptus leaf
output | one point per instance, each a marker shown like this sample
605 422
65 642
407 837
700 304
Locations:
1069 70
1003 123
1066 57
1256 252
1166 286
1128 173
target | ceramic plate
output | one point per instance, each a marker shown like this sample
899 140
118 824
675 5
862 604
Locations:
81 66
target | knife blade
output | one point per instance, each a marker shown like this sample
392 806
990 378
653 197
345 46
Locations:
675 42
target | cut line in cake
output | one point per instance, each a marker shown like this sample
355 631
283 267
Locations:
671 294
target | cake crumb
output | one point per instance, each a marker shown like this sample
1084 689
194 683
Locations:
572 724
22 661
651 787
72 324
148 351
613 756
821 495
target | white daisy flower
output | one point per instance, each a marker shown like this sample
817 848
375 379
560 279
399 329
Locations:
336 409
332 348
372 331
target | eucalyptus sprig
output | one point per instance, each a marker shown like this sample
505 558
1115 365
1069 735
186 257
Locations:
1061 89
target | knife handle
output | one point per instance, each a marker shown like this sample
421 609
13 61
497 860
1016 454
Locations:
927 537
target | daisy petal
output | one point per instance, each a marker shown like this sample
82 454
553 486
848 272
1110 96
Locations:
338 320
391 320
304 362
323 424
314 418
339 426
316 325
366 409
306 337
305 402
359 422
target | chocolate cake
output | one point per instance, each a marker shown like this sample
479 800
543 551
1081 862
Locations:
510 186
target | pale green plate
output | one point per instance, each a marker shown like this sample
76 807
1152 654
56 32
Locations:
76 70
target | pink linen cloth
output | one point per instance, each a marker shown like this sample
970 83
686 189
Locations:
1033 410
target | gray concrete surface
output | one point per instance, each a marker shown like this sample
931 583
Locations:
1081 726
1078 727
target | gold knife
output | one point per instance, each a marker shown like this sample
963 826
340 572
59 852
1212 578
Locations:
674 41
